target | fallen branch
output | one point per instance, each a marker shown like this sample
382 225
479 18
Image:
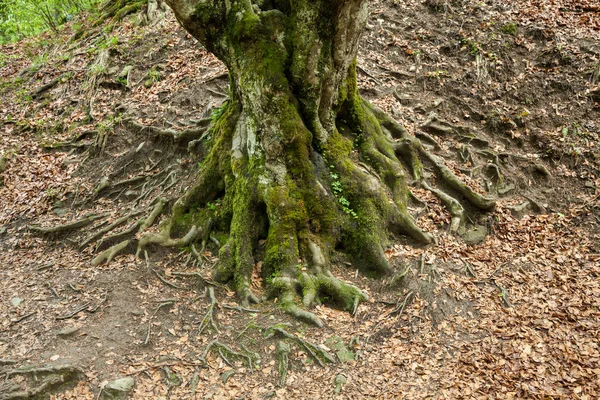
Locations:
167 364
283 350
163 280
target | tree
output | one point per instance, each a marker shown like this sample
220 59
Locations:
297 156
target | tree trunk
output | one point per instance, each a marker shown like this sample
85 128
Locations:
298 158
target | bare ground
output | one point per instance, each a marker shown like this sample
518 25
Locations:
512 314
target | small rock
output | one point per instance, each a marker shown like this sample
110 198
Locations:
226 375
59 211
476 235
67 331
16 301
118 388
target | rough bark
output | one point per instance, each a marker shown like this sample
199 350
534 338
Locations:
298 158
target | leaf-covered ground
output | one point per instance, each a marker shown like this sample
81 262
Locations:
508 309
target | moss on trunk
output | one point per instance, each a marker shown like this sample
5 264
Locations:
298 157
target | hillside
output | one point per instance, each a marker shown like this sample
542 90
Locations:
506 92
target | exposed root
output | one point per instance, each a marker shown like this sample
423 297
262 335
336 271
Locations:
228 354
184 136
48 378
108 228
478 200
209 320
110 253
85 221
316 353
163 238
283 351
311 285
454 207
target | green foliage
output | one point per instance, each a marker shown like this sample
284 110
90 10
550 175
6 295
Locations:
471 45
509 28
337 188
23 18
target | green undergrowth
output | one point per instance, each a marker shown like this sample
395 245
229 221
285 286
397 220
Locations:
23 18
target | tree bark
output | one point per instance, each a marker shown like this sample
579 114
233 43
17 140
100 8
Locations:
298 158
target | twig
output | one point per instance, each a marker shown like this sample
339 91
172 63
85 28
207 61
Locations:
54 292
219 76
167 364
148 332
166 282
76 311
400 308
240 308
23 318
94 309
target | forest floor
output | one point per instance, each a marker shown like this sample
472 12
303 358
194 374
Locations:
509 308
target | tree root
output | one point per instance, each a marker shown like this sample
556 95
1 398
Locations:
184 136
343 293
108 254
228 354
283 351
209 320
107 229
162 304
52 377
85 221
316 353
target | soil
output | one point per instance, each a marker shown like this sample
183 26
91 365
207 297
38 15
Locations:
507 308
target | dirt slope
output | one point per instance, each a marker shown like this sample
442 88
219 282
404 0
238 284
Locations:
507 92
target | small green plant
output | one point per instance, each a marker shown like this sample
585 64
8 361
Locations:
509 28
97 69
152 77
23 96
51 193
214 207
337 189
108 43
471 45
218 112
